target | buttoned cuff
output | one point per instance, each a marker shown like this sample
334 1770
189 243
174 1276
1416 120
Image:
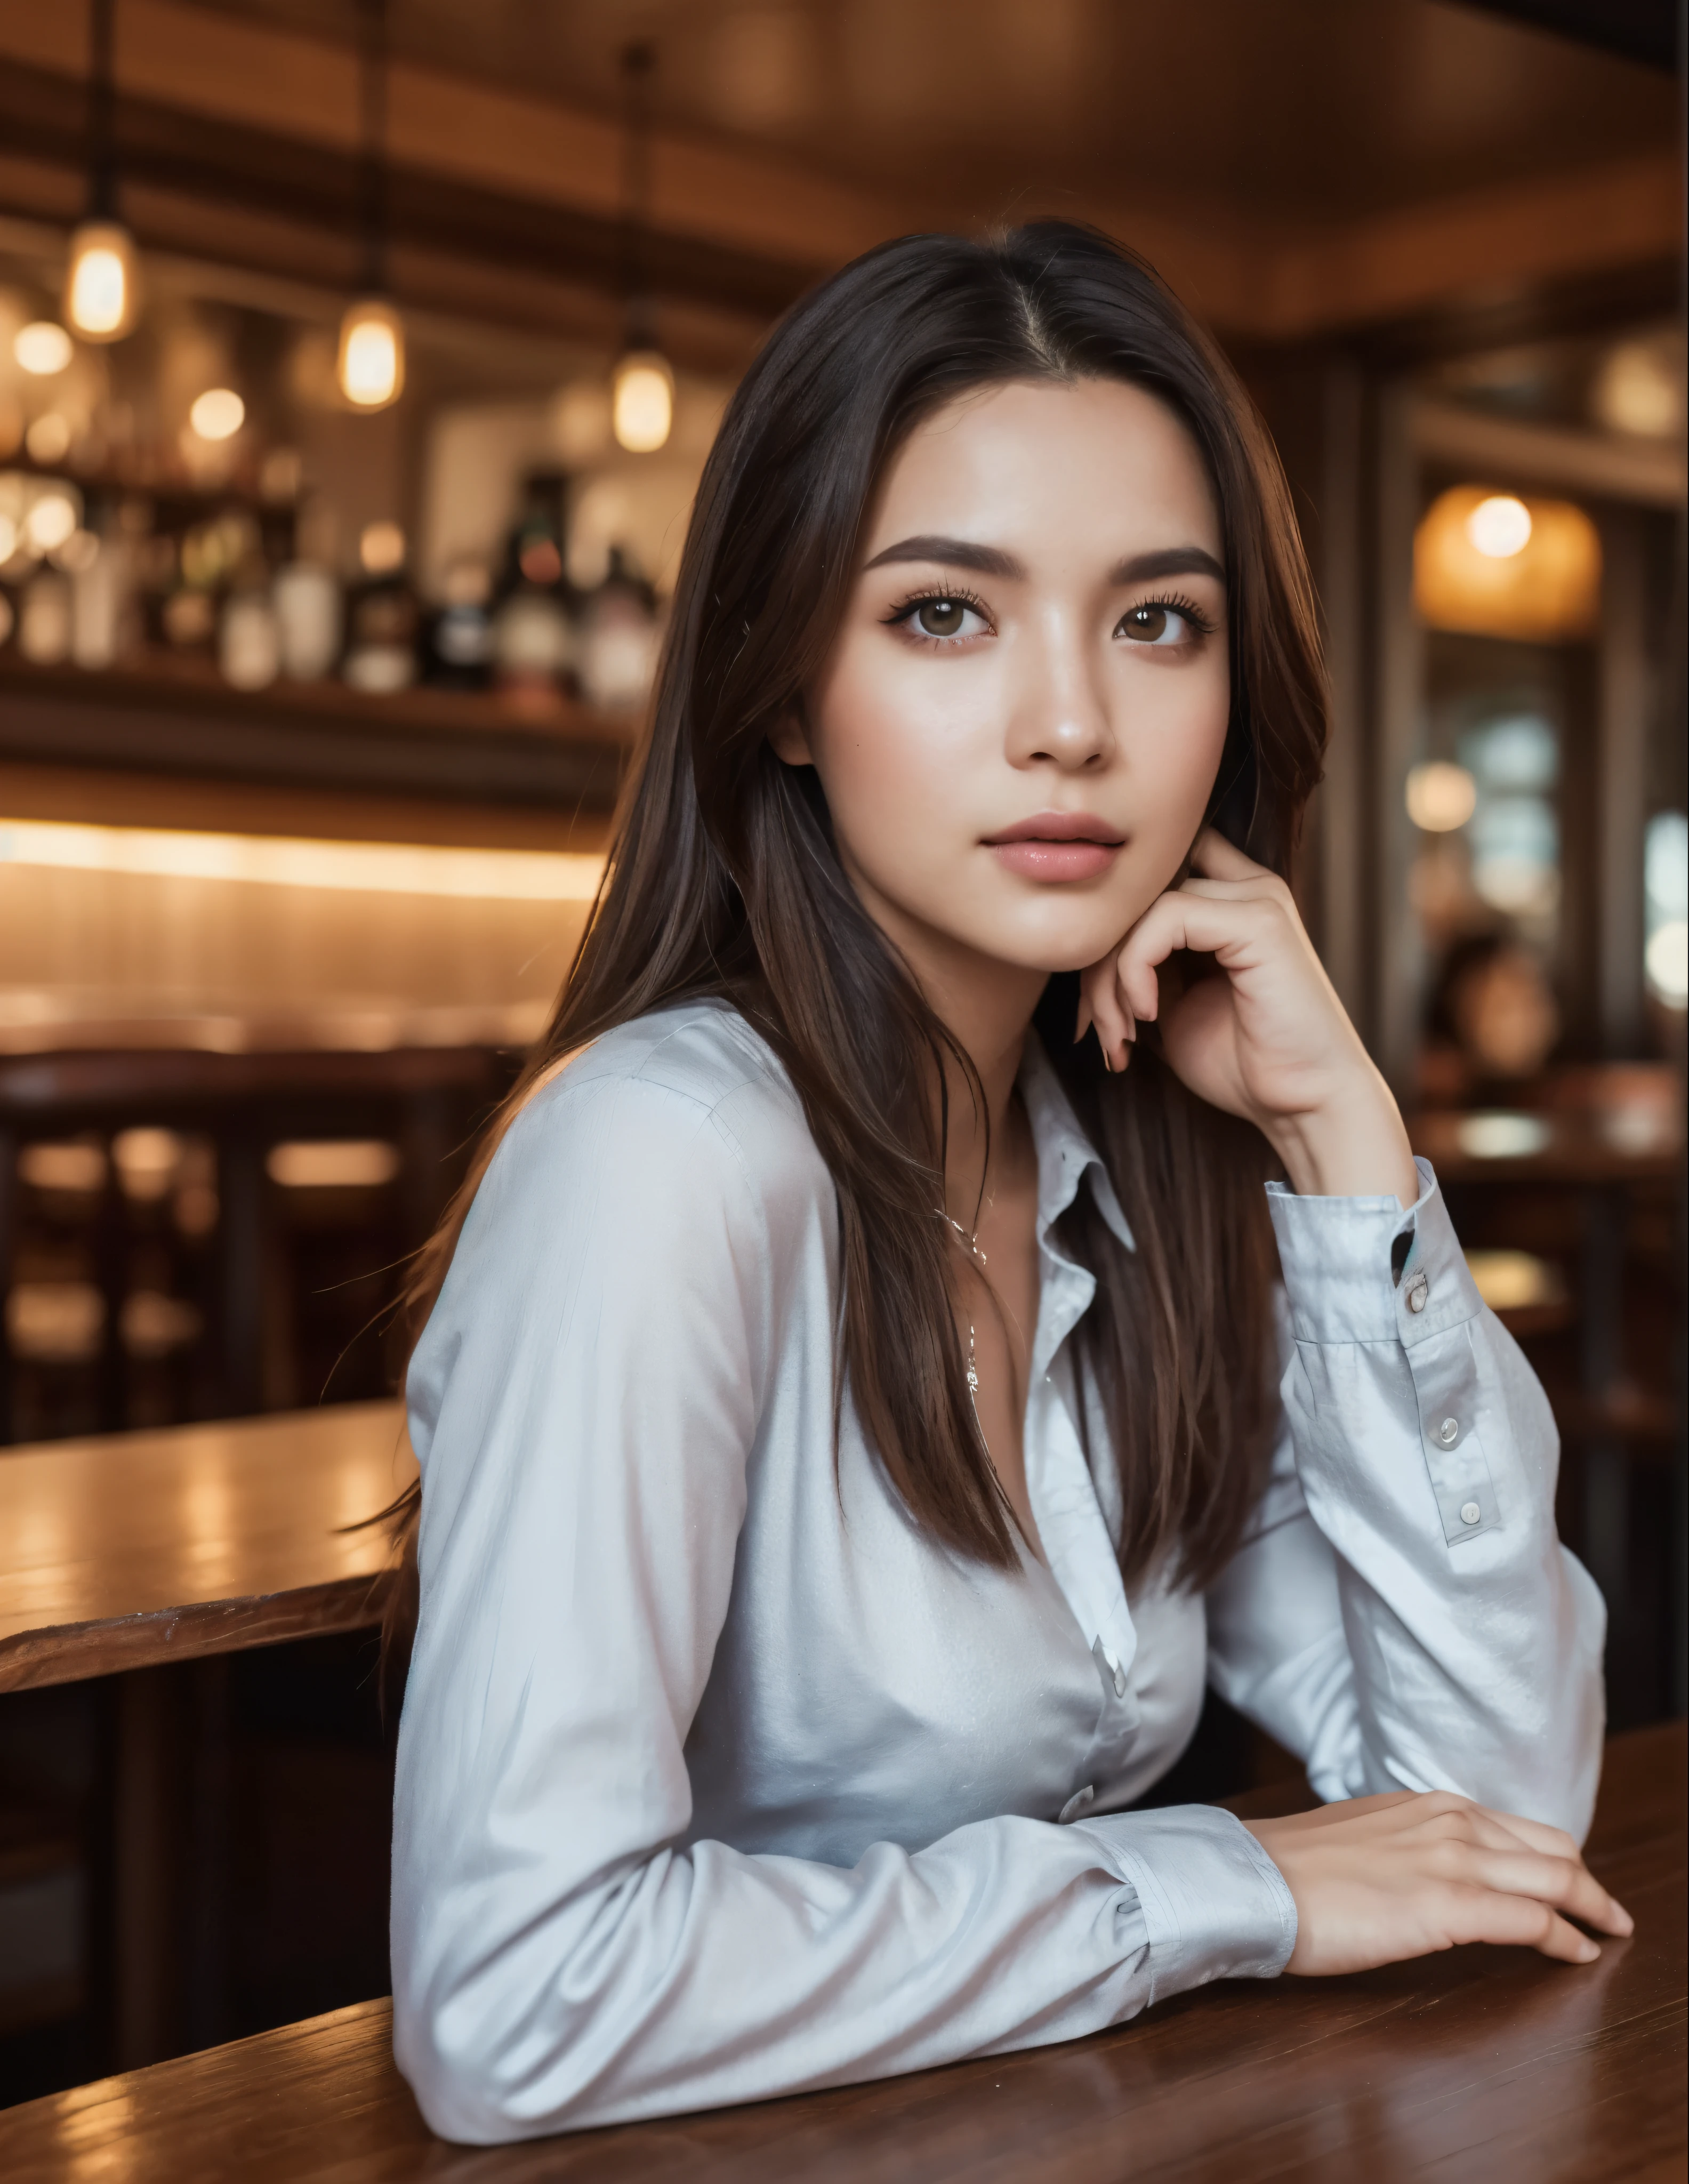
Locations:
1348 1280
1214 1904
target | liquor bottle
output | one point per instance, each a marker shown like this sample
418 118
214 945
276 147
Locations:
619 634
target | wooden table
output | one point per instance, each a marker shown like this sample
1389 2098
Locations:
132 1550
1487 2064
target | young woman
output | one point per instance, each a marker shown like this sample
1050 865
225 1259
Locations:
856 1415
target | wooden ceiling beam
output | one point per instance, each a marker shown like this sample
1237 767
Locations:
260 125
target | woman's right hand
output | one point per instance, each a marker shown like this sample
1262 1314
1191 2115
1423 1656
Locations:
1377 1879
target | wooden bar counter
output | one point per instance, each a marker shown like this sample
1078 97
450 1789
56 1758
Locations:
1487 2064
128 1551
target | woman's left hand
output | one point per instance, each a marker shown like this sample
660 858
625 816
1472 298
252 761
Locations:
1270 1040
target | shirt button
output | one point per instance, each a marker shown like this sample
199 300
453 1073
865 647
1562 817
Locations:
1075 1805
1419 1293
1470 1513
1117 1672
1448 1433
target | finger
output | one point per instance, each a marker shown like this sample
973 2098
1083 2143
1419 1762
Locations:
1555 1841
1483 1914
1109 1012
1567 1883
1218 859
1208 924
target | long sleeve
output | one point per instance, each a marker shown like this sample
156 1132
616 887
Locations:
1403 1614
587 1405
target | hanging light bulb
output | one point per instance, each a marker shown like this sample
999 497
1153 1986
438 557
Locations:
642 388
370 368
100 288
642 401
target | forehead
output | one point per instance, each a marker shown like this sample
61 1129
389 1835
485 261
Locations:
1080 458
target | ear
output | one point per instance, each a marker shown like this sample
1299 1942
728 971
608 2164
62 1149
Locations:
788 738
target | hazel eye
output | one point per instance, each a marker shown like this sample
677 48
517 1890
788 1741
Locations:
1151 625
940 617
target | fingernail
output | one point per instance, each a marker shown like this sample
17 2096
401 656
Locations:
1591 1951
1627 1923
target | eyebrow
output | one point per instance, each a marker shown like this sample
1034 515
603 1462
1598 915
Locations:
994 561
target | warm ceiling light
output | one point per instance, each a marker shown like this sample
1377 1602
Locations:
1441 797
50 523
642 401
41 347
1544 588
1499 526
370 368
218 414
380 548
99 287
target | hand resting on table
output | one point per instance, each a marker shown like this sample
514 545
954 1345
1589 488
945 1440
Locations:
1377 1879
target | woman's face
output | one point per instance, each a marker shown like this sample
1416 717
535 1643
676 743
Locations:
1022 717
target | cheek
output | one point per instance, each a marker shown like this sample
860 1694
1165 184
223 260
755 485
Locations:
1173 739
887 741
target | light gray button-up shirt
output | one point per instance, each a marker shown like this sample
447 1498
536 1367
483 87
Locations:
718 1778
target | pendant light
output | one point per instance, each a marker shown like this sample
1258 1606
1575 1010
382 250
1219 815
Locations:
642 388
100 288
370 366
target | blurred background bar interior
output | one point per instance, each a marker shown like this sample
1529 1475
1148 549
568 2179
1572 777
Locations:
358 364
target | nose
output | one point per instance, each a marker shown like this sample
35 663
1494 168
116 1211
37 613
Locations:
1058 716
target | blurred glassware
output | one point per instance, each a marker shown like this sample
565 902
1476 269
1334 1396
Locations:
618 647
48 438
249 646
460 637
1499 1135
189 617
44 624
102 602
533 648
384 620
308 620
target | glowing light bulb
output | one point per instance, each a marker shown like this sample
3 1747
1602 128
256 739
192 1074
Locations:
1441 797
642 401
218 414
370 368
100 288
1500 526
41 348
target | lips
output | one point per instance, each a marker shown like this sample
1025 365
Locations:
1057 845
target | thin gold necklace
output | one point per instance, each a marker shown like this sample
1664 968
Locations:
971 1238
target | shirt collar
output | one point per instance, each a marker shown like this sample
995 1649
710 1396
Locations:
1065 1153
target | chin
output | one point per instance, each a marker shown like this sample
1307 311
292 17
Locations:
1051 952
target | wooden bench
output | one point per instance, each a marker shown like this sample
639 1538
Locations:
1484 2064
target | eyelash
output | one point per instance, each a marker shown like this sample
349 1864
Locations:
1175 603
948 595
958 596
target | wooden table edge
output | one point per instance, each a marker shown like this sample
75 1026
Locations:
71 1653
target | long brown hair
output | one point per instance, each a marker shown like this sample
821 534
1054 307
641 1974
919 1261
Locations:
724 881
